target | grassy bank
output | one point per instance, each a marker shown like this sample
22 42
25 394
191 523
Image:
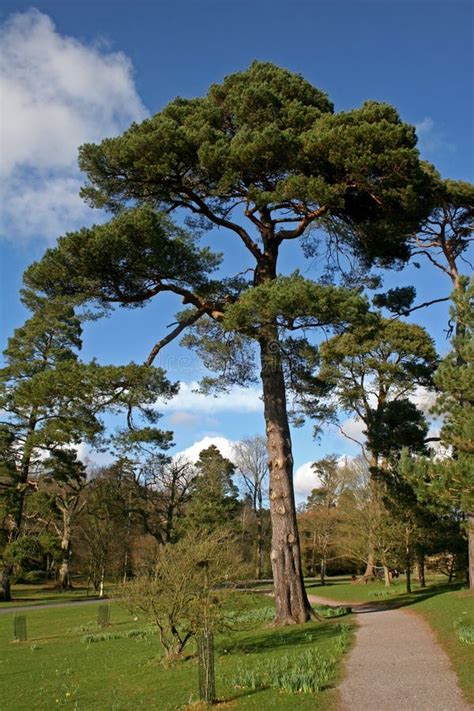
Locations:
68 663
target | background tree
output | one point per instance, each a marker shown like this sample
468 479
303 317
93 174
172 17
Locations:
251 459
213 502
67 495
51 401
373 369
452 477
320 518
263 157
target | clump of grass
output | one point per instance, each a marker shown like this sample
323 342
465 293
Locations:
305 673
464 631
106 636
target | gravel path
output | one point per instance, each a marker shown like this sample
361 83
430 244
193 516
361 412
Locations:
396 664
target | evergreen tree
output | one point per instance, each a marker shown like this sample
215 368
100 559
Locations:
452 477
50 401
213 502
263 157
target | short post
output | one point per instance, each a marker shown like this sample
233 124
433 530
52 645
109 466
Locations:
103 615
207 682
19 628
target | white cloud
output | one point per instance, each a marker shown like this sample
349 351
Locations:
424 399
305 480
353 429
225 446
92 458
238 399
57 93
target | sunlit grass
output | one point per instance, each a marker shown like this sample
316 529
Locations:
68 662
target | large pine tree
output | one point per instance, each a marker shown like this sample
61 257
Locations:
262 157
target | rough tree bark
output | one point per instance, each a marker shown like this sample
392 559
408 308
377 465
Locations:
292 604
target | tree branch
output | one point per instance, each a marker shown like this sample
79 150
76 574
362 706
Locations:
223 222
174 334
305 221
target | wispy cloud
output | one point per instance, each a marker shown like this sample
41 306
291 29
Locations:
57 93
238 400
431 139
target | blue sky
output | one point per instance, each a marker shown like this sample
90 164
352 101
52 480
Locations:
78 71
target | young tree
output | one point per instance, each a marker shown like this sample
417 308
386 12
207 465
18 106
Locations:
186 588
263 157
251 459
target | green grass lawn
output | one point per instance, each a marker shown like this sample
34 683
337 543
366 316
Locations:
56 668
442 605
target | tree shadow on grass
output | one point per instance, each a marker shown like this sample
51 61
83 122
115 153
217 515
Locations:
270 639
407 599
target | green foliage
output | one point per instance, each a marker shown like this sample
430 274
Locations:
294 301
451 478
372 368
126 260
398 300
269 136
213 496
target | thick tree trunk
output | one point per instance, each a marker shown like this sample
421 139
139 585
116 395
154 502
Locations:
470 534
386 576
292 605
